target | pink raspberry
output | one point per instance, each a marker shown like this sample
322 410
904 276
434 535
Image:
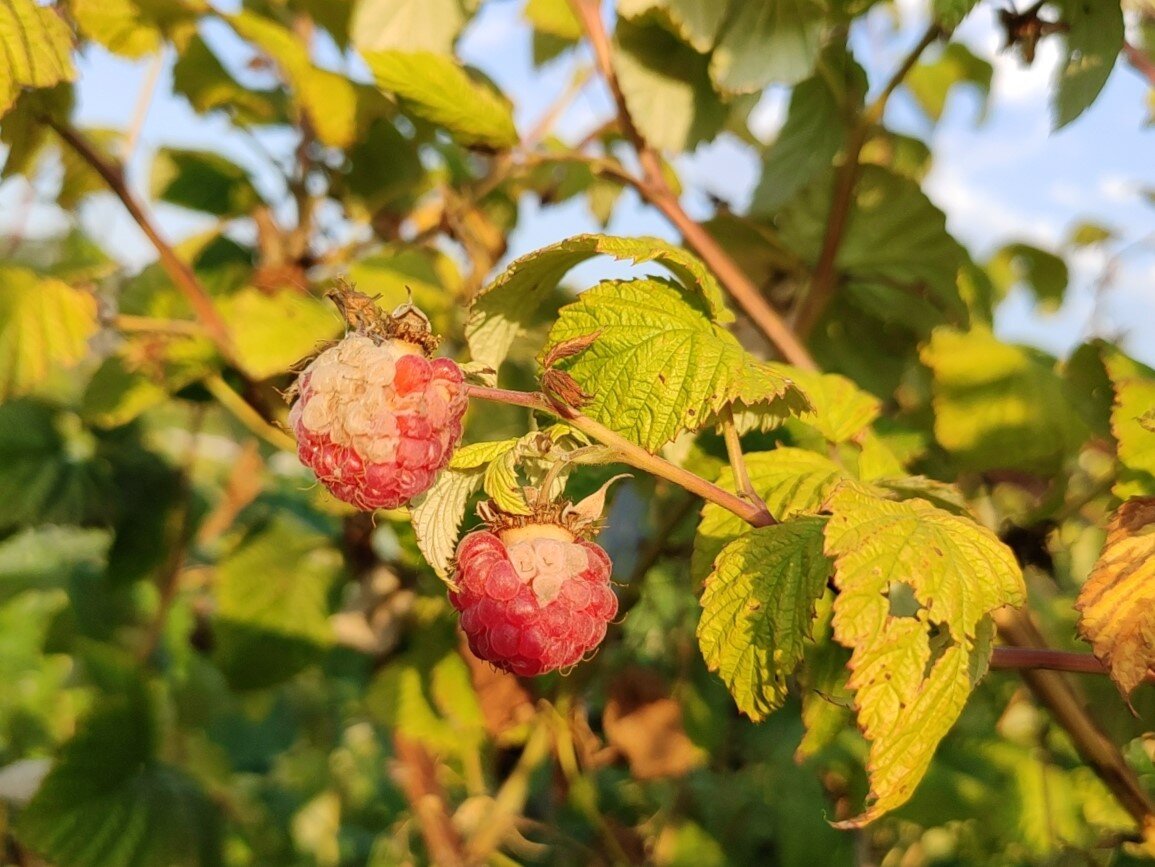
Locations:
376 420
532 599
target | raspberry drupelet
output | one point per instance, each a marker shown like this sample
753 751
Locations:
375 418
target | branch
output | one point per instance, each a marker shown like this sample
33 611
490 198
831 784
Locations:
655 190
417 774
823 282
181 274
629 452
1007 658
1096 749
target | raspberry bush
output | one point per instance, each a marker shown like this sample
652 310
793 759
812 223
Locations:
293 572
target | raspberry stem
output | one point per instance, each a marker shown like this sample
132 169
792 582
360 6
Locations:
630 453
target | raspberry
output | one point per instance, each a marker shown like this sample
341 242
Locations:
374 418
532 599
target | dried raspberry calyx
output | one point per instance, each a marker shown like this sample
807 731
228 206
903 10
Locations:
534 595
375 418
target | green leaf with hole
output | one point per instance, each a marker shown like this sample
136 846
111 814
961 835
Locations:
916 587
509 306
997 405
438 89
792 482
659 365
272 603
36 46
45 326
757 609
768 41
109 802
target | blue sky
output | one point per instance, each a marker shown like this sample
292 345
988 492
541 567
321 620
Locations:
1008 178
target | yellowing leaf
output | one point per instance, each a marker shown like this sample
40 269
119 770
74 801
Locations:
757 608
841 410
1117 604
502 485
119 25
437 515
411 25
45 325
437 88
916 588
659 365
507 308
36 48
327 98
791 481
272 332
1134 399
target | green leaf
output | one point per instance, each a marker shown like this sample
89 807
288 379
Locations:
757 609
1089 234
659 365
555 18
44 558
791 481
507 308
666 85
327 98
1094 40
476 455
384 170
1000 406
437 88
407 25
750 410
437 514
1134 397
841 411
272 603
697 22
45 326
916 588
810 138
893 234
36 46
200 77
52 471
108 802
272 332
202 181
931 82
502 485
1045 273
121 26
768 41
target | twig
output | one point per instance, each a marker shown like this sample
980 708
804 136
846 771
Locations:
177 269
823 282
417 774
143 102
1140 62
1056 694
655 190
629 452
1006 658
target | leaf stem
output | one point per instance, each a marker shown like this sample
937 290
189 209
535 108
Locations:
246 415
738 460
629 452
655 190
824 280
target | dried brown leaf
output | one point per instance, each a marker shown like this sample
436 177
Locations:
645 724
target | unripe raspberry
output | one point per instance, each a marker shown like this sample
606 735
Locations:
532 598
374 418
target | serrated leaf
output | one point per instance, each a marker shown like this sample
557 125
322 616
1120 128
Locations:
409 25
272 332
757 609
791 481
696 22
502 485
45 325
36 46
108 802
1134 385
659 365
202 181
667 88
272 603
768 41
327 98
998 405
472 456
1117 604
507 307
1094 40
437 88
912 671
765 394
840 410
437 515
1042 271
931 82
